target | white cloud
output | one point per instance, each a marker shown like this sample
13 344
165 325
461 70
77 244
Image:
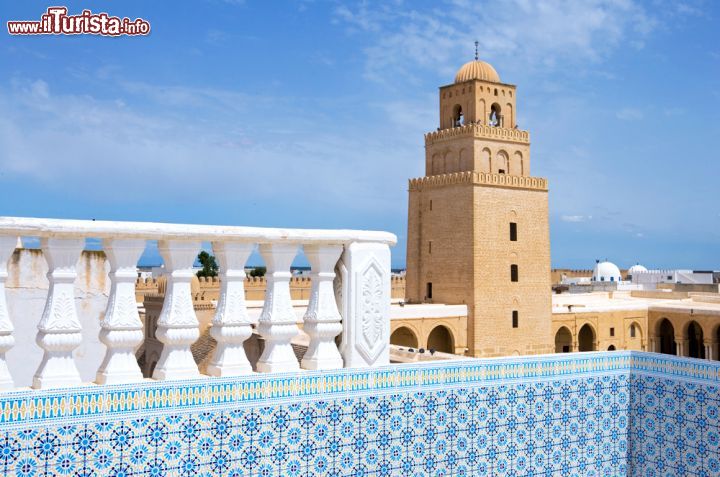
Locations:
575 218
630 114
40 89
165 141
521 34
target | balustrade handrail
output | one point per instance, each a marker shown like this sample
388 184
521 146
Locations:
350 296
68 228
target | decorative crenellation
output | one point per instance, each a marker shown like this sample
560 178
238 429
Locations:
479 131
479 178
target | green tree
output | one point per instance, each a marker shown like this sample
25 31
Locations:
258 272
209 265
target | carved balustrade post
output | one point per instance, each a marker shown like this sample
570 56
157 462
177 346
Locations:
278 323
177 326
322 319
7 247
231 325
121 329
59 330
365 292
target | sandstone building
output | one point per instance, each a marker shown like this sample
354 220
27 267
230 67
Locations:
478 229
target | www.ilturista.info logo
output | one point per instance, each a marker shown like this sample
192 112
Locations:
57 22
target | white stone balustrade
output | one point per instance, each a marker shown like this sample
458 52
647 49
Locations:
353 304
177 327
121 328
231 325
322 319
277 323
59 331
7 246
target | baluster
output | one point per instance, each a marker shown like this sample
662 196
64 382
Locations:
366 305
177 326
121 329
277 323
59 330
231 325
322 319
7 247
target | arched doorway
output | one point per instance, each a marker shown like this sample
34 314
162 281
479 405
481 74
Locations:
696 348
404 336
586 338
563 340
666 335
440 339
611 348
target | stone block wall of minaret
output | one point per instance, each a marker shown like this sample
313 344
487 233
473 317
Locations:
460 248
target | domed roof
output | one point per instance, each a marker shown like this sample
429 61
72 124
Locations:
636 268
606 272
477 70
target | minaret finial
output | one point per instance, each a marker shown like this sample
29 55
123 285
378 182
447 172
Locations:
476 50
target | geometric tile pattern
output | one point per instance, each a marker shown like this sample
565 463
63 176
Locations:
674 427
91 403
594 414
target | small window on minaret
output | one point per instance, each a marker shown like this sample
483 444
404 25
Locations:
430 247
430 204
513 273
495 118
458 118
513 232
514 319
428 291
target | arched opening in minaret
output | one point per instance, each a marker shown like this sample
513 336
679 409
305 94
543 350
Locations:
495 115
458 117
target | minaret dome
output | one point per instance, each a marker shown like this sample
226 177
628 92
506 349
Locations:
477 70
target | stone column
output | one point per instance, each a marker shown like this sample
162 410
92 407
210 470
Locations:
177 326
365 294
7 247
121 329
231 325
652 343
59 330
278 323
681 346
708 349
575 346
714 350
322 319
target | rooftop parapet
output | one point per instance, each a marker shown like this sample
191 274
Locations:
479 178
350 279
479 131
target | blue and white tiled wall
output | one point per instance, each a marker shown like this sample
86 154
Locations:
554 415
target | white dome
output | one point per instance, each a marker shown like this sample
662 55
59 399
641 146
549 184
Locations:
636 269
606 272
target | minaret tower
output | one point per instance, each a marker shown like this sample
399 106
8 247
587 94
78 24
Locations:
478 229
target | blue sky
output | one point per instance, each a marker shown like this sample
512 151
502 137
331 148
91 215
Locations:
312 114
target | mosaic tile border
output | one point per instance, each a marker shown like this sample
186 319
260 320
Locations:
93 402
